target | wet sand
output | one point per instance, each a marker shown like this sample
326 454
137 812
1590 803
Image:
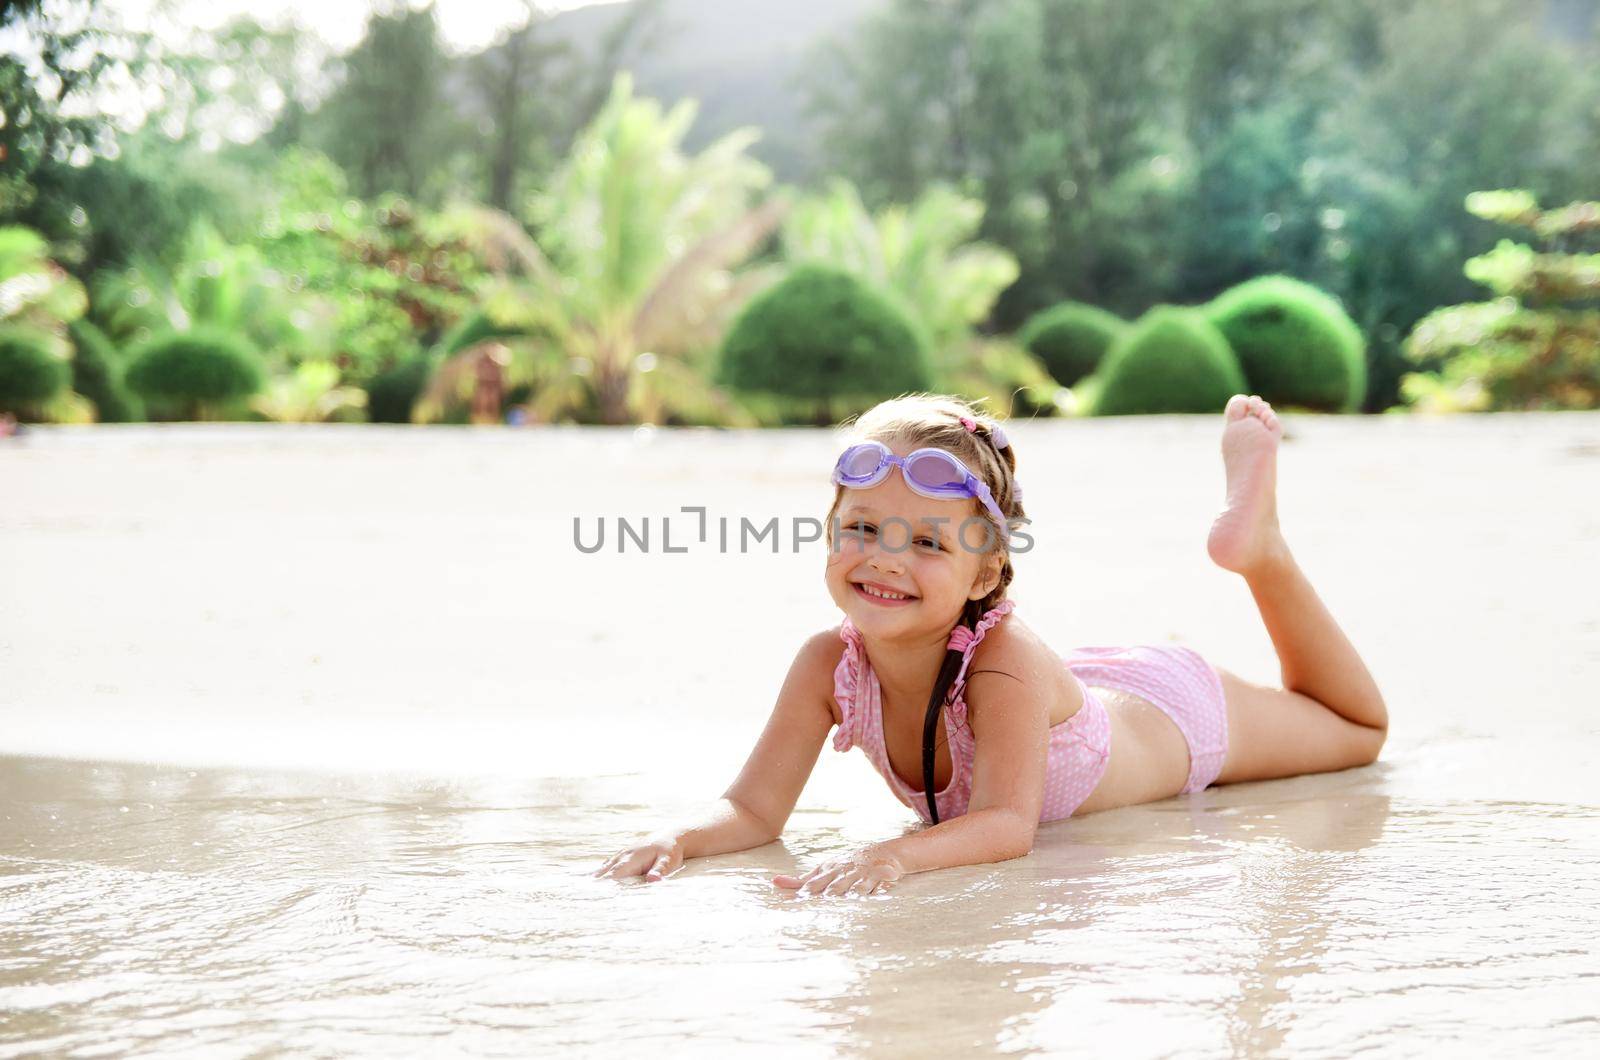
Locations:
308 737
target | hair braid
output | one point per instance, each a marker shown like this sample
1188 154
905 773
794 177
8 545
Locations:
937 420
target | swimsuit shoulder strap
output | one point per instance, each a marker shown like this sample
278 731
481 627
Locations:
967 641
848 681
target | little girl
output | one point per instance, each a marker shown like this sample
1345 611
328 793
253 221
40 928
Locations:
925 512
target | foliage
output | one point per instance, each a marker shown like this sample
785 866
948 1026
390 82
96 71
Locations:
311 394
393 392
1508 353
35 292
1051 112
193 374
1296 344
30 373
1171 360
632 271
1071 339
114 150
1500 357
140 206
386 123
215 284
1129 154
1005 377
476 327
37 302
97 374
45 94
924 253
376 282
823 333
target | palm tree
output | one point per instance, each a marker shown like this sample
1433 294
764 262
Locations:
610 310
926 253
216 284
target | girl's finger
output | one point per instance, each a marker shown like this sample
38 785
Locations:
842 884
792 882
818 881
659 868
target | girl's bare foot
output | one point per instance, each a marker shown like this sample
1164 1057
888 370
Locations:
1246 535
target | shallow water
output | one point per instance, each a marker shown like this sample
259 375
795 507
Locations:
309 739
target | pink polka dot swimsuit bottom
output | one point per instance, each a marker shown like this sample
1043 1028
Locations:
1176 679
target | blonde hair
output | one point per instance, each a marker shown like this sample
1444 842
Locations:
917 420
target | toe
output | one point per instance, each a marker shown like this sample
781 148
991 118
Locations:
1238 407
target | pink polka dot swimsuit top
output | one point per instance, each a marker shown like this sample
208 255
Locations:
1078 751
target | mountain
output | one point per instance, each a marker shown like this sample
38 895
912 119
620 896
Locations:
742 59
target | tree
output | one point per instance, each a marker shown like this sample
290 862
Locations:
512 83
1051 111
46 89
1537 344
386 122
924 252
37 302
1129 154
630 273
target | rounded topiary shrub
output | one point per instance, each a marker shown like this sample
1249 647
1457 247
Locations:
183 374
1171 360
1071 339
97 374
30 374
1296 344
820 333
392 392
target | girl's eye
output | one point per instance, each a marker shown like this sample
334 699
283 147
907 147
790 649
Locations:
865 528
928 542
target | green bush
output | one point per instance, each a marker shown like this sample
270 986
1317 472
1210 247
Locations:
97 374
1296 344
822 333
30 374
1171 360
1071 339
188 374
392 392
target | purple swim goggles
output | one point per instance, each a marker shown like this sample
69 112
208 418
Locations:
931 472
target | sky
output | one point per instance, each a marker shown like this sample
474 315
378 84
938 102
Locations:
466 25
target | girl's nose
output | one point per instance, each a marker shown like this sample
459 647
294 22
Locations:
885 560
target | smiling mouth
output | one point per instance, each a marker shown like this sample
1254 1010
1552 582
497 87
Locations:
881 596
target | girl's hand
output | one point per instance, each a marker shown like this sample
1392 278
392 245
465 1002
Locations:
655 859
865 871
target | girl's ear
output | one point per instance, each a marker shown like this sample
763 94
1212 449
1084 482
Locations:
988 576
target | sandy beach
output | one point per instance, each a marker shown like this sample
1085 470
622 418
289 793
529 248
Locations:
308 737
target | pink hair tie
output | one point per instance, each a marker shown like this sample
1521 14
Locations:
971 427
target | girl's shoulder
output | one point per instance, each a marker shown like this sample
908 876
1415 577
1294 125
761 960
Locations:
1013 651
818 661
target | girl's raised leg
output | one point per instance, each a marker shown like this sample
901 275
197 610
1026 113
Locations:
1329 713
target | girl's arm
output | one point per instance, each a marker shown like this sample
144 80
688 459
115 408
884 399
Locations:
1010 723
756 806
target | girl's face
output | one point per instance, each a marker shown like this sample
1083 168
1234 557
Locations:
893 539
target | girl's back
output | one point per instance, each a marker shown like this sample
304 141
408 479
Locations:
1116 719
